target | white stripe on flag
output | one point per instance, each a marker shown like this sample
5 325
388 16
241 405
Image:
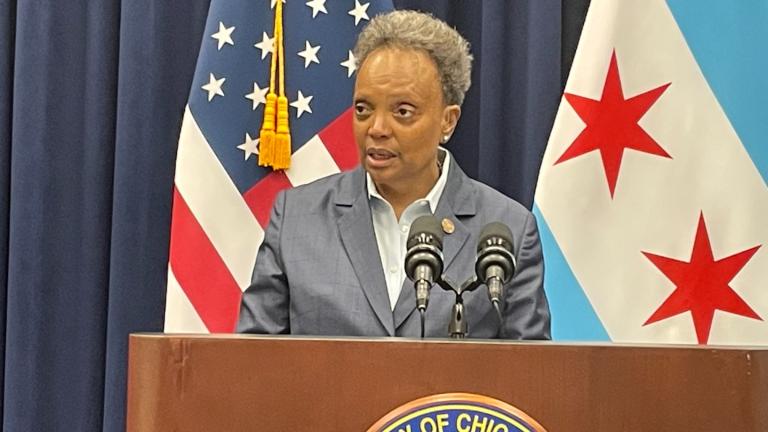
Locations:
216 202
180 315
311 162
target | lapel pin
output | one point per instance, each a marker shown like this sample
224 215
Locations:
448 226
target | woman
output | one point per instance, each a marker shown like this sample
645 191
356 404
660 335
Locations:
332 258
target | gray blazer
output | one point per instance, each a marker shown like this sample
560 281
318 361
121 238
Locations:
318 270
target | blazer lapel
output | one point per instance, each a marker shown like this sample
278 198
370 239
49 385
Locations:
359 239
457 201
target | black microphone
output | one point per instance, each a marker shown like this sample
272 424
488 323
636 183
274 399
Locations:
495 263
424 257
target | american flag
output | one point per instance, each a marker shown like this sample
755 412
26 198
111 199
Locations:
222 198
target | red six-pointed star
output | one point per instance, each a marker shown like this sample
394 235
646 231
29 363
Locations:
701 285
611 124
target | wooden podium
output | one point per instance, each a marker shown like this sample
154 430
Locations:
263 383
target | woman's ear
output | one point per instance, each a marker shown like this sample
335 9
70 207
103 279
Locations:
451 114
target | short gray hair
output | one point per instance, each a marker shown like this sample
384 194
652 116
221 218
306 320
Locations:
419 31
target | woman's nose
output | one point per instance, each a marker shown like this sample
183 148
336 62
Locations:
379 126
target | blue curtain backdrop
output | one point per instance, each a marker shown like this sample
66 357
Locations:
91 100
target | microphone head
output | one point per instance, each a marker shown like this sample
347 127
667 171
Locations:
424 249
425 229
494 253
495 234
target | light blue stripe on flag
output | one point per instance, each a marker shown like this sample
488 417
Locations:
573 317
728 39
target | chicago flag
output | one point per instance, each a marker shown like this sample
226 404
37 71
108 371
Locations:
652 194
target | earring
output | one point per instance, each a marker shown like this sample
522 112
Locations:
445 139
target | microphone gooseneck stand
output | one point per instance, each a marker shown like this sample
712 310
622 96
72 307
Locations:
497 308
458 327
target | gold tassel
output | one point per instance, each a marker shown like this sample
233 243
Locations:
275 133
282 148
267 133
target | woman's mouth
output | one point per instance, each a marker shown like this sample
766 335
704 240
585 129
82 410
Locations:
377 157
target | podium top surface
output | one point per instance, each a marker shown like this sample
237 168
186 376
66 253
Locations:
541 344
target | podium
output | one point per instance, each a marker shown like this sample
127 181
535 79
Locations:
269 383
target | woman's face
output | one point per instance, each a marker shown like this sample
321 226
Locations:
400 117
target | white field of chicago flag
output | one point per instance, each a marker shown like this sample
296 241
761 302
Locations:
652 197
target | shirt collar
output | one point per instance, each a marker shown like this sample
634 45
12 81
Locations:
433 197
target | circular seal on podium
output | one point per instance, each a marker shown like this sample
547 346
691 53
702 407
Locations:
456 412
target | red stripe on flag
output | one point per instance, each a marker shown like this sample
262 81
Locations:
201 272
261 196
340 141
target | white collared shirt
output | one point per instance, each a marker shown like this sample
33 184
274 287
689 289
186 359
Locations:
392 236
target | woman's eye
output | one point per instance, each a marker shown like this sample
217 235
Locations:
404 112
